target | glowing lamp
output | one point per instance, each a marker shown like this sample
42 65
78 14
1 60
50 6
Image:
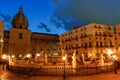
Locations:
38 54
114 57
109 52
28 55
4 56
64 58
13 56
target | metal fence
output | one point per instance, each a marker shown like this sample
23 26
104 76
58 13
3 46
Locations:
56 71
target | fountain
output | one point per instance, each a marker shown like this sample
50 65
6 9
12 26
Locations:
101 61
83 59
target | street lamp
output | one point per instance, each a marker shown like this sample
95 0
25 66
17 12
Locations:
64 59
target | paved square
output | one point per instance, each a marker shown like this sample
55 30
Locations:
6 75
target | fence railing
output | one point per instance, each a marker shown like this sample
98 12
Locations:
59 71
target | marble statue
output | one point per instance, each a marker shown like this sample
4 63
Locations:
74 60
74 63
101 61
46 60
83 59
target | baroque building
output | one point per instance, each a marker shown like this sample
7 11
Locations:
1 37
91 41
117 39
19 40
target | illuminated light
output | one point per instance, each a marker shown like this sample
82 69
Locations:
1 40
109 52
114 57
38 54
20 55
90 55
4 56
55 54
64 58
13 56
28 55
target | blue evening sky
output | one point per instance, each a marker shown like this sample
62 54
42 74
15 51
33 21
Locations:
59 16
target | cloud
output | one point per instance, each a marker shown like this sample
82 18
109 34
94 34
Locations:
54 21
6 19
81 12
43 26
8 26
55 2
62 22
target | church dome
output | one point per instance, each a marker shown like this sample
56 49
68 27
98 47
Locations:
20 21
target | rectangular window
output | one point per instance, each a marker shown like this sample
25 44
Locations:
90 44
111 44
96 44
100 44
20 35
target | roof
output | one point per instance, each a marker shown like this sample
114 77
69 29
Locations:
44 33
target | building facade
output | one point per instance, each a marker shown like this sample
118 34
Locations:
117 39
1 37
19 40
91 41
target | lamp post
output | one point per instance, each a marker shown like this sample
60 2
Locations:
64 59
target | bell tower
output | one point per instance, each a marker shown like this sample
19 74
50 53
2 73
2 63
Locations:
20 35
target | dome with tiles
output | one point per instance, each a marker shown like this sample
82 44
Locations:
20 21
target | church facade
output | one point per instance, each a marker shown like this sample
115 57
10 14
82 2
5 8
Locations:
19 40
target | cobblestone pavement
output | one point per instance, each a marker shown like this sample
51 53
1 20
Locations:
6 75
